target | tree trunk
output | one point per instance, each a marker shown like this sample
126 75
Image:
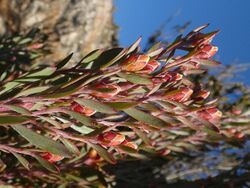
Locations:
78 26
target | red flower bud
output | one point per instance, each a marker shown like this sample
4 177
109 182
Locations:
83 109
235 111
129 144
164 152
210 114
206 51
179 95
111 138
105 90
52 158
231 130
150 67
239 135
167 77
202 94
190 66
135 63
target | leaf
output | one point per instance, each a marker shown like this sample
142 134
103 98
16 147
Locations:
126 149
81 118
134 45
22 160
12 120
63 62
70 146
146 118
121 105
42 142
208 62
108 57
92 56
103 153
98 106
142 135
82 129
155 52
32 91
19 109
46 164
40 73
135 78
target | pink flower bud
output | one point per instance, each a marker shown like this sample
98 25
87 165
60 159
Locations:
239 135
52 158
111 138
179 95
150 67
83 109
135 63
105 90
235 111
210 114
206 51
36 46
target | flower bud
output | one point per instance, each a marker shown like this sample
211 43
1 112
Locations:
135 63
150 67
50 157
235 111
105 90
206 51
210 114
111 138
179 95
202 94
83 109
167 77
239 135
129 144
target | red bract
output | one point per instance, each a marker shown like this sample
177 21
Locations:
150 67
179 95
135 63
111 138
105 90
129 144
202 94
82 109
206 51
210 114
167 77
52 158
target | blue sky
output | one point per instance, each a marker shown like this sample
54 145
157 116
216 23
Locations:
142 17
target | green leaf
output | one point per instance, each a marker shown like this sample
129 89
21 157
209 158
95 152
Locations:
92 56
98 106
22 160
135 78
121 105
82 129
70 146
146 118
126 149
63 62
40 73
46 164
108 57
19 109
134 45
81 118
12 120
42 142
32 91
103 153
